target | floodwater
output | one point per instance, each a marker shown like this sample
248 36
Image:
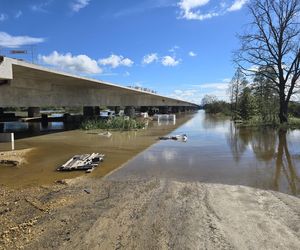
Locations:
218 152
54 144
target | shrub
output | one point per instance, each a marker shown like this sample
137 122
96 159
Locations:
118 123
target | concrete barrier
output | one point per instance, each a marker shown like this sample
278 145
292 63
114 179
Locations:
8 137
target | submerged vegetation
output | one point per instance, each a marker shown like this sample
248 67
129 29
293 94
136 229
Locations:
264 88
116 123
253 102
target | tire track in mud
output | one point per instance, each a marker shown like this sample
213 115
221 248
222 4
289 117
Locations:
167 214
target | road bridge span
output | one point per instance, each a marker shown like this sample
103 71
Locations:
24 84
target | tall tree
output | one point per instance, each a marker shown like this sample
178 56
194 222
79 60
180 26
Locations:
265 96
246 104
236 86
273 43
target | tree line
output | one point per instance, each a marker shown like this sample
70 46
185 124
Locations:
249 98
269 55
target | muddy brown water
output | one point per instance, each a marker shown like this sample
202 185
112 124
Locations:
216 152
219 152
53 147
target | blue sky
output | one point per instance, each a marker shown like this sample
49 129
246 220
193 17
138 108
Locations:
179 48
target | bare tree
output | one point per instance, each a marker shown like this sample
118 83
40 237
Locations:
236 86
273 42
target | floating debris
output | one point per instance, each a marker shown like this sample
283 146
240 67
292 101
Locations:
105 134
182 138
86 162
9 163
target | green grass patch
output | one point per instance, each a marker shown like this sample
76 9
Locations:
115 123
293 123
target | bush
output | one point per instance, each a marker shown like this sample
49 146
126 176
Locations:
294 109
217 107
118 123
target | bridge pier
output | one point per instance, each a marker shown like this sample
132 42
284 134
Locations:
1 127
144 109
129 111
88 111
117 109
97 111
164 110
44 120
34 112
175 110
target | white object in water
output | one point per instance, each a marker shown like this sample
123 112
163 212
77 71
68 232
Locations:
165 119
82 162
106 134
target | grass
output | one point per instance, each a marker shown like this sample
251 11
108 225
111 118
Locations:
293 123
115 123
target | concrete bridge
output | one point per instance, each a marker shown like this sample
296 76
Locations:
29 85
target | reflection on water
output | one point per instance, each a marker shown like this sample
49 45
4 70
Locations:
271 148
53 149
285 167
219 152
27 129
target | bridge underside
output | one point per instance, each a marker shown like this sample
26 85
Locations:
27 85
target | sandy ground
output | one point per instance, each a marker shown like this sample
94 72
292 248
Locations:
147 214
18 156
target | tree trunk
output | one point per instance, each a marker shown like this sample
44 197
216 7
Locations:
283 111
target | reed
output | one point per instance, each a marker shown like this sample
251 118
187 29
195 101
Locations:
115 123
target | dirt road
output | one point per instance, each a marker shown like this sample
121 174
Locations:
150 214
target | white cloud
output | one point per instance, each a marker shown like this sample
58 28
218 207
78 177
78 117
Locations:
196 92
9 41
3 17
169 61
190 95
42 7
77 5
192 9
188 5
226 80
214 86
76 64
126 74
237 5
18 14
192 54
188 9
115 61
150 58
200 17
174 49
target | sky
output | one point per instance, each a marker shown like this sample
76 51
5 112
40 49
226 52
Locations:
179 48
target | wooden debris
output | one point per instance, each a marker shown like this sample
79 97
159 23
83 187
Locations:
86 162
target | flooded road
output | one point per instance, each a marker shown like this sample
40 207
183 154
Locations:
52 146
217 152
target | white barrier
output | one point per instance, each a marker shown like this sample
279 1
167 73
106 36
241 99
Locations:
8 137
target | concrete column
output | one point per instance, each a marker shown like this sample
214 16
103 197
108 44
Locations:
144 109
129 111
88 111
97 111
1 127
44 120
175 110
117 109
164 110
34 112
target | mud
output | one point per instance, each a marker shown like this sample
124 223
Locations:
148 214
